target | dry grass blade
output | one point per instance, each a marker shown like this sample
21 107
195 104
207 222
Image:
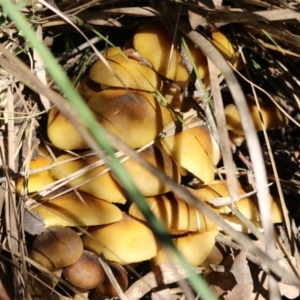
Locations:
9 205
41 74
256 16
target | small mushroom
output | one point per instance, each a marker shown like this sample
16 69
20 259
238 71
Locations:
222 43
246 205
125 73
225 47
272 117
199 59
103 187
38 180
56 248
250 211
154 43
176 214
146 182
125 242
216 189
69 210
192 149
195 248
133 116
86 273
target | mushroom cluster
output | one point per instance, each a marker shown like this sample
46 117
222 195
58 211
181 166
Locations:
267 116
122 93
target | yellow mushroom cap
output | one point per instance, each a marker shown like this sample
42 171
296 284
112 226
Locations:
199 59
222 43
133 75
126 241
193 150
195 248
39 180
246 206
103 187
235 138
111 51
218 189
86 273
69 210
154 43
276 212
176 214
146 182
133 116
56 248
273 118
62 133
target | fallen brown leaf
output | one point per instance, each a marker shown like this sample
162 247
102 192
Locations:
245 280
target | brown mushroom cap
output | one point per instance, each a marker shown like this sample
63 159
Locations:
56 248
133 116
86 273
146 182
62 133
39 180
195 248
126 241
103 187
273 118
106 289
193 150
176 214
154 43
133 75
89 211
